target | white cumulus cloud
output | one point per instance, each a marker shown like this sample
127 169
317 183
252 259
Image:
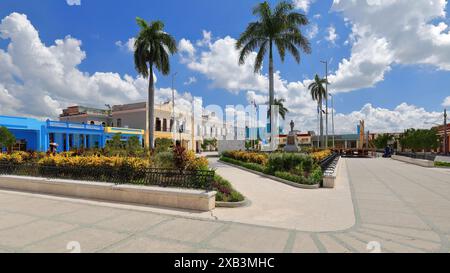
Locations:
446 102
73 2
387 32
38 80
302 4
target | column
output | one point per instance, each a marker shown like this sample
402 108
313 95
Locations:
67 143
84 141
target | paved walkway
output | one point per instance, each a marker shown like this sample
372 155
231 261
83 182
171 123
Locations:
279 205
399 207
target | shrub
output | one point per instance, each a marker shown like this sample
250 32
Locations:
163 145
251 157
196 163
321 155
180 157
164 160
291 177
285 162
251 166
316 176
225 191
442 164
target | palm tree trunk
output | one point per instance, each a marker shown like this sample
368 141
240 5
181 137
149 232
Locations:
271 94
151 110
321 125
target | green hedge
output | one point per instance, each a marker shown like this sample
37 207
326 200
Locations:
251 166
442 164
314 179
225 191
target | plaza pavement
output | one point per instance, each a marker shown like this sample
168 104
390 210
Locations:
399 207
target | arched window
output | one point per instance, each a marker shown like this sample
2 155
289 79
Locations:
92 122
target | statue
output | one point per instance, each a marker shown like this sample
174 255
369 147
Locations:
291 142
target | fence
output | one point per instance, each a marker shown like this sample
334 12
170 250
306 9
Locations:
425 156
125 175
327 161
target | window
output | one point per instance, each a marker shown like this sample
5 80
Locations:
158 125
92 123
171 125
165 125
119 122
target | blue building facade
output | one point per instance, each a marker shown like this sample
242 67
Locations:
35 135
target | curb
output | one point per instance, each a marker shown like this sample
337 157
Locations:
220 204
293 184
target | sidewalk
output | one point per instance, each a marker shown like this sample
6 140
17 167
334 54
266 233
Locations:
278 205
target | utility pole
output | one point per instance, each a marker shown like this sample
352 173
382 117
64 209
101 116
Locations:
445 133
173 106
326 103
332 119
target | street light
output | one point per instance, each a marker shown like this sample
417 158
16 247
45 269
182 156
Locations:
173 103
445 133
332 118
326 103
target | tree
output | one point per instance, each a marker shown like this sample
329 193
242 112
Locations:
417 140
281 109
318 93
152 49
7 139
382 141
280 27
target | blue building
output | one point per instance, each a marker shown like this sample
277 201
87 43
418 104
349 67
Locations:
36 135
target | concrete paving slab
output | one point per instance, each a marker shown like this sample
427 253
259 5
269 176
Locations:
32 232
131 221
90 240
331 245
244 238
8 220
149 245
186 230
304 244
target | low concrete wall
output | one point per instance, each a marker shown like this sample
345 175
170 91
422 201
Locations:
143 195
440 158
415 161
329 181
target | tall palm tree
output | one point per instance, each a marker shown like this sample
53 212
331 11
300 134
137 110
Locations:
282 111
280 27
319 93
152 49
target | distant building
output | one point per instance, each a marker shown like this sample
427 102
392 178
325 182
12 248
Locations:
87 115
303 139
441 134
36 135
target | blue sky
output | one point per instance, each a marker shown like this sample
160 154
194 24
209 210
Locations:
100 24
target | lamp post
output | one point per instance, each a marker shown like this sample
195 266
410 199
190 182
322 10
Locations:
181 130
326 103
332 118
173 104
445 133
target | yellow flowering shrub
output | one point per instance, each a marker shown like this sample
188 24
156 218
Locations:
94 161
250 157
196 163
321 155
